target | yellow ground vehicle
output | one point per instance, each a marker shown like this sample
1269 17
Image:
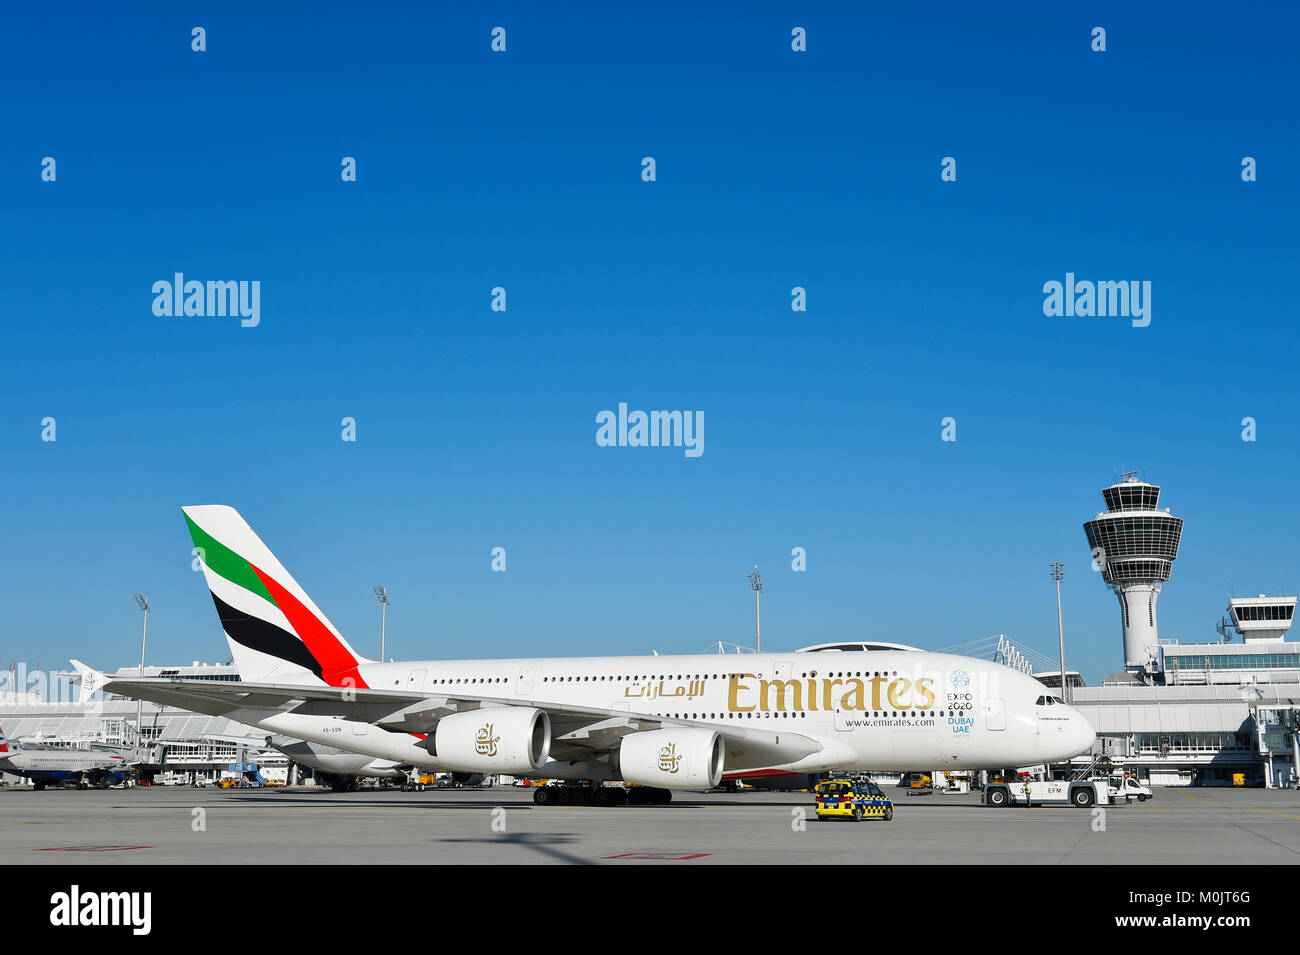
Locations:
920 781
858 800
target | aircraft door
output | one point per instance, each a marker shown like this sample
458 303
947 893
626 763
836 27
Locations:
995 714
524 681
415 681
845 718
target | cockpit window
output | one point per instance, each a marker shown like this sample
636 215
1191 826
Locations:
1041 701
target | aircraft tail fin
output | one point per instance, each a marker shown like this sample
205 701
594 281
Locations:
273 628
90 680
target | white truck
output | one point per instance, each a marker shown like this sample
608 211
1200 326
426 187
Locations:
1128 788
1082 793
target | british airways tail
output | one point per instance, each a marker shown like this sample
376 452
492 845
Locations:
274 629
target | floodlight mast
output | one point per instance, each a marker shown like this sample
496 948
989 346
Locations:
1058 573
142 601
756 585
382 596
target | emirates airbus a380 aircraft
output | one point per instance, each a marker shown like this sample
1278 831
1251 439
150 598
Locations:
664 722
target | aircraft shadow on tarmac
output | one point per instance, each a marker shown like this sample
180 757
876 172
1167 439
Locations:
329 799
546 844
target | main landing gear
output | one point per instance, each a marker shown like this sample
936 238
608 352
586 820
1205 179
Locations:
600 796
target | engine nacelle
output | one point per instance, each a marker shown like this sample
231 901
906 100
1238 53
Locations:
686 758
496 739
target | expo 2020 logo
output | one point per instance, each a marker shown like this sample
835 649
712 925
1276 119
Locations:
959 679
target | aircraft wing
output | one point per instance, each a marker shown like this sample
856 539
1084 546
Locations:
577 732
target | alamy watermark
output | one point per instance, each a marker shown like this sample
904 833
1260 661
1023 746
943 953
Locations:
75 907
28 687
211 299
651 429
1122 299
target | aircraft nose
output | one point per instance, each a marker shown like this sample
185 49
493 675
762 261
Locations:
1084 732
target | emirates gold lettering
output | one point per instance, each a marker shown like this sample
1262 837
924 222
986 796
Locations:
813 695
733 693
856 698
875 691
896 691
927 695
796 690
828 687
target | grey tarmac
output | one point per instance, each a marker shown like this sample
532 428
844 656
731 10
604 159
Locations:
155 826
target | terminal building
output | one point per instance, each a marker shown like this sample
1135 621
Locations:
1214 713
46 710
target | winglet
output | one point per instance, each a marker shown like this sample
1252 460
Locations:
90 680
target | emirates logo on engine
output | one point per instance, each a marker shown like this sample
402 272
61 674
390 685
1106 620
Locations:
485 744
669 758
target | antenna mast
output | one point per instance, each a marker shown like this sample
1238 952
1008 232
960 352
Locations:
382 596
756 585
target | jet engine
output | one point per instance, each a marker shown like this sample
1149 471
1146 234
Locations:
498 739
686 758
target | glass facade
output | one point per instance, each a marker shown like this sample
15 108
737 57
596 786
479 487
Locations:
1192 742
1137 570
1232 661
1135 536
1266 612
1132 496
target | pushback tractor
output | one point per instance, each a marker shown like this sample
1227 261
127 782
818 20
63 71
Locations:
1080 793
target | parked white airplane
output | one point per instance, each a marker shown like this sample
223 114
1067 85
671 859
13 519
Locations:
664 722
44 765
337 767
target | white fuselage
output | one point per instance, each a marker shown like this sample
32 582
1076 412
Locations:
870 710
29 761
335 760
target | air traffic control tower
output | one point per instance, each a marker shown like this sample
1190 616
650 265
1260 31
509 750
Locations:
1134 545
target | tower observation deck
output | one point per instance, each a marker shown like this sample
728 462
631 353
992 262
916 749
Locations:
1134 544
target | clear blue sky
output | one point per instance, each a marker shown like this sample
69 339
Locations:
477 428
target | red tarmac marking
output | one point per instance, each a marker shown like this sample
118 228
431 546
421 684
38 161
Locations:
92 848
